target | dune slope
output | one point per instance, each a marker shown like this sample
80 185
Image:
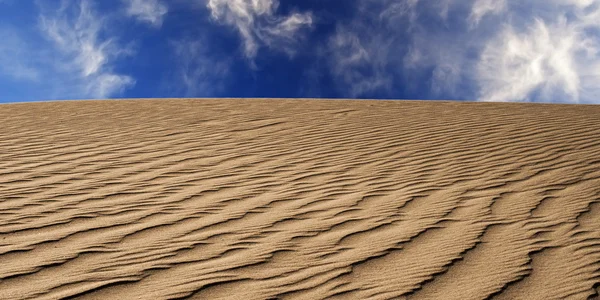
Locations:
299 199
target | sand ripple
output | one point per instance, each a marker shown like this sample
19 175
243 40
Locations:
280 199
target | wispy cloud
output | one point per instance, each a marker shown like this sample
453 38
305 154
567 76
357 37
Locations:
198 72
71 55
358 60
151 12
554 57
503 50
362 52
258 24
481 8
83 54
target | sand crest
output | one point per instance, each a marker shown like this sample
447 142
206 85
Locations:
299 199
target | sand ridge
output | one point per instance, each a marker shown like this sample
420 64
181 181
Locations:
299 199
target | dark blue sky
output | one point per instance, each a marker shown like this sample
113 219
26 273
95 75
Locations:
487 50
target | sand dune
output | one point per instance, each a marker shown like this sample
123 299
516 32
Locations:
299 199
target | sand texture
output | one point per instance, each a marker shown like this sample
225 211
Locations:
299 199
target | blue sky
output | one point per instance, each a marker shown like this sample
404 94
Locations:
484 50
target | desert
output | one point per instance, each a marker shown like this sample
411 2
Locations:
299 199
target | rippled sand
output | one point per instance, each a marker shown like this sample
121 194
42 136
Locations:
299 199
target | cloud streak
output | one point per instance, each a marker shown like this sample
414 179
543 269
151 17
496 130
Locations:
151 12
553 57
199 73
259 25
479 49
358 60
505 50
82 55
70 55
481 8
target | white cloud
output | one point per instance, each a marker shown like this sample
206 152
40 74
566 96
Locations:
366 55
148 11
198 72
360 53
551 59
444 8
536 51
82 55
69 56
358 61
481 8
441 58
393 10
258 24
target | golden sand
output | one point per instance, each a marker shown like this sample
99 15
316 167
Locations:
299 199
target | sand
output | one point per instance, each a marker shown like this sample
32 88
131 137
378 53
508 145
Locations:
299 199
